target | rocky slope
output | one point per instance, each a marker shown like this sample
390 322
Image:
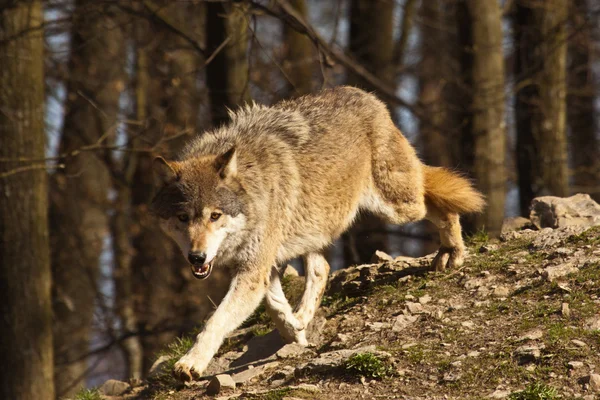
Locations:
520 320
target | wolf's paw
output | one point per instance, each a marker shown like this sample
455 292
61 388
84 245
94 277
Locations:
300 338
188 368
448 257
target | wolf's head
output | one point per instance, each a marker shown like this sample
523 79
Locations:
200 205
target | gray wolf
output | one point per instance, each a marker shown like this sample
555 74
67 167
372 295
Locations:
285 181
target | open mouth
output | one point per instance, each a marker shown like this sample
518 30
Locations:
201 271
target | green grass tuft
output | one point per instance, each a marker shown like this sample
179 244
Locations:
535 391
88 394
368 365
477 239
174 351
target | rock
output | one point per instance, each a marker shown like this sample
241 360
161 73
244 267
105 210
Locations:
402 321
486 248
220 382
593 323
499 394
414 308
515 224
501 291
532 335
377 326
220 364
293 350
548 238
467 324
113 387
307 387
565 310
556 212
334 358
451 377
314 330
527 354
250 373
575 364
290 271
425 299
594 382
578 343
159 367
553 272
381 257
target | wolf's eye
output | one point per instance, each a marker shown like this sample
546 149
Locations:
215 216
183 217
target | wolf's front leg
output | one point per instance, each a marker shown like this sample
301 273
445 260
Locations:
245 293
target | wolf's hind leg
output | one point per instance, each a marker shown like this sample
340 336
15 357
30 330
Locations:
451 253
317 272
281 313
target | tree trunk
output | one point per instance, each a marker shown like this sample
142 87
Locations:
585 148
154 254
26 370
372 45
167 101
168 301
79 220
227 73
299 55
484 135
540 40
438 137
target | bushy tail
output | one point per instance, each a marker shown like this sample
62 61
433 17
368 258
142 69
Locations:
450 192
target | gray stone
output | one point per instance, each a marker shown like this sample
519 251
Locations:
501 291
499 394
159 367
578 343
553 272
451 377
414 308
556 212
113 387
565 310
334 358
532 335
593 323
486 248
425 299
575 364
515 224
252 372
219 383
548 238
381 257
594 382
293 350
307 387
527 354
403 321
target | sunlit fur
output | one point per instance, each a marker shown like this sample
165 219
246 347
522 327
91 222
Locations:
290 179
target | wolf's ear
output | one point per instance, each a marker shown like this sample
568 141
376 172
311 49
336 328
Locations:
226 164
164 171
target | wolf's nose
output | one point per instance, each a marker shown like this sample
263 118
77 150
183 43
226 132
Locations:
196 257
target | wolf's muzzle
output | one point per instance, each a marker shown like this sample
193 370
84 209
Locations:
196 257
